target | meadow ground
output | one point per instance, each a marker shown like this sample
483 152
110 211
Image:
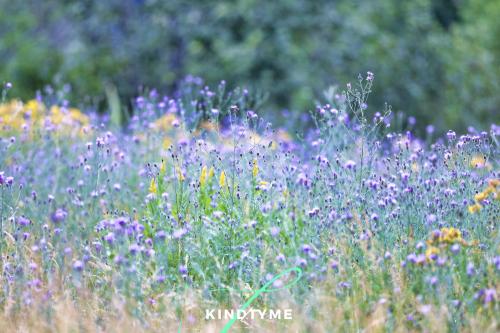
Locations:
199 203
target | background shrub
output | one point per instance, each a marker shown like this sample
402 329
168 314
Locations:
435 60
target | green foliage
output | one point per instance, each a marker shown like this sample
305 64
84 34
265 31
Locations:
435 60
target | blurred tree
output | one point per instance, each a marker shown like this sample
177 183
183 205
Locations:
435 60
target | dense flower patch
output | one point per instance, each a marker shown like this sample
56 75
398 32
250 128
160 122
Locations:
172 216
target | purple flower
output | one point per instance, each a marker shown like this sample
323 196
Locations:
412 257
369 76
431 218
489 295
344 285
179 233
301 262
161 234
110 238
441 261
22 221
486 295
313 212
470 269
78 265
183 270
280 257
251 114
412 121
306 248
59 216
496 262
433 280
350 164
274 231
134 249
97 246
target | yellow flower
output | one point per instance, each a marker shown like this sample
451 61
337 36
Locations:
450 235
255 169
164 123
163 168
480 196
489 190
431 252
474 208
152 186
203 176
478 161
222 179
494 183
167 142
180 176
211 173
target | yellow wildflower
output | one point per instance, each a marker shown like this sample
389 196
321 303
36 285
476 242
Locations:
450 235
163 168
489 190
180 176
165 122
211 173
222 179
431 252
255 169
494 183
478 161
152 186
203 176
167 142
474 208
480 196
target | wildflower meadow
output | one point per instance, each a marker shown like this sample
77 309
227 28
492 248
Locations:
199 215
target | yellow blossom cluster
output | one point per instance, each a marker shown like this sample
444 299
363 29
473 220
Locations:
439 241
479 162
206 175
16 116
165 123
493 190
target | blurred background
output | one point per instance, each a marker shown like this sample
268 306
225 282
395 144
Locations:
437 61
